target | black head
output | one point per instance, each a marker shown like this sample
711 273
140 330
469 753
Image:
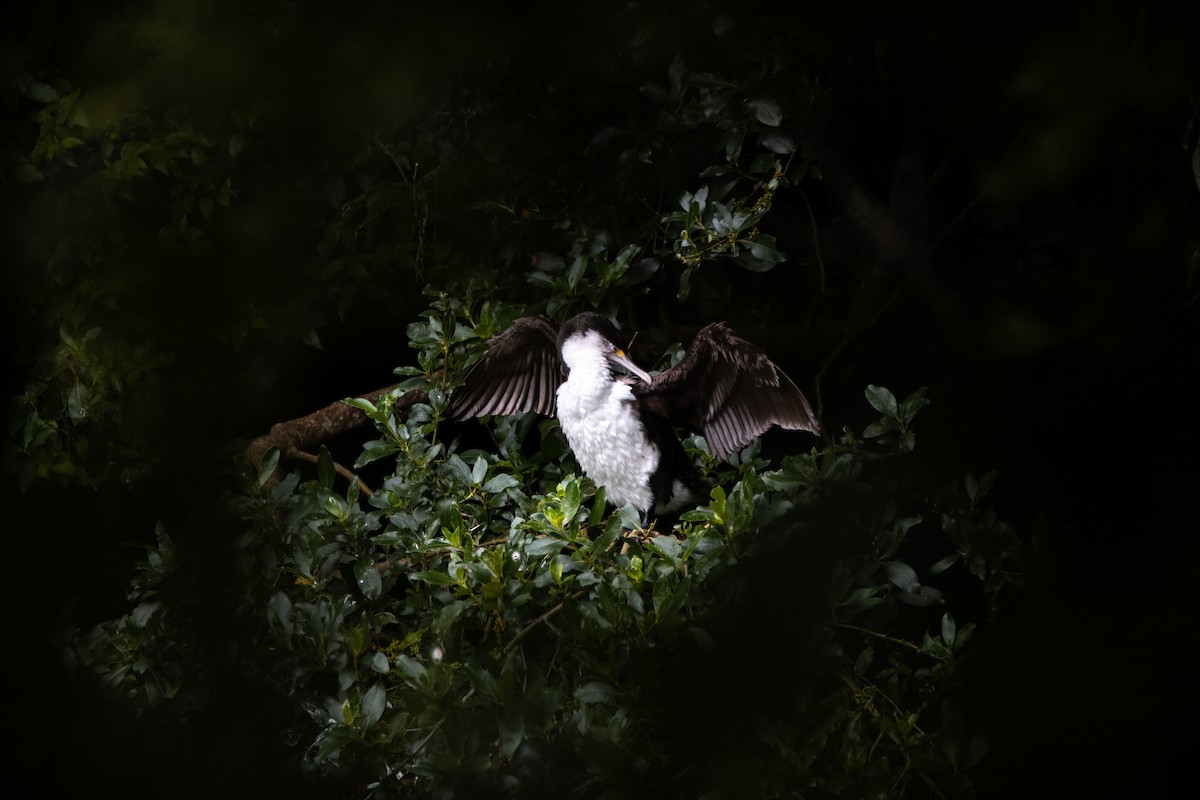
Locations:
581 325
589 321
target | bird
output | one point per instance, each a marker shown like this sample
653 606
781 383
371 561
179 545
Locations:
621 428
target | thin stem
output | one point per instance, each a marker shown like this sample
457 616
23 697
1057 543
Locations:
338 468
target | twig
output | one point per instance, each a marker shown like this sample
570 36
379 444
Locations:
437 726
521 634
876 714
338 468
879 635
812 224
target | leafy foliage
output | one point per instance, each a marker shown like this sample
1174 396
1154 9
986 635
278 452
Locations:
148 215
483 622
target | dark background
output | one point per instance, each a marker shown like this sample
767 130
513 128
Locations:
1057 328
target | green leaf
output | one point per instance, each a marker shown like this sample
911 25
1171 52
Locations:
498 483
571 500
778 142
335 506
668 601
599 506
760 255
595 692
666 546
631 520
285 487
766 111
986 483
642 270
279 609
949 629
924 596
356 637
362 404
875 430
662 592
512 731
459 469
479 470
717 504
434 577
325 470
860 600
863 662
612 531
882 400
374 700
77 402
976 750
902 575
944 564
483 680
267 468
731 142
578 267
542 545
448 616
913 403
367 575
412 670
373 451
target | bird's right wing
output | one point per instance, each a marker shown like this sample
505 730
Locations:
520 371
728 390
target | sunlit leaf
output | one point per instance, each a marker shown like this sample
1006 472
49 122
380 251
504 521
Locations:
498 483
367 575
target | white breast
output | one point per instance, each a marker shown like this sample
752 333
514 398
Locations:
603 429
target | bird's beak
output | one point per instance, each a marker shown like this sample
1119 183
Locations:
618 356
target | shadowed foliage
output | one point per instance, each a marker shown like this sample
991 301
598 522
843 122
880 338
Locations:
221 218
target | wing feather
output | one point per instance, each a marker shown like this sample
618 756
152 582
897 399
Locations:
728 390
518 372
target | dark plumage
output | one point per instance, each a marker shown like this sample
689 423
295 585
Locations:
621 429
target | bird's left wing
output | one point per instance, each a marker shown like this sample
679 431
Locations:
728 390
520 371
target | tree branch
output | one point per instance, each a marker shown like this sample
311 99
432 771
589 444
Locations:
295 436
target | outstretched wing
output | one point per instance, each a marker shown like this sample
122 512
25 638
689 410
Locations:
519 372
728 390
